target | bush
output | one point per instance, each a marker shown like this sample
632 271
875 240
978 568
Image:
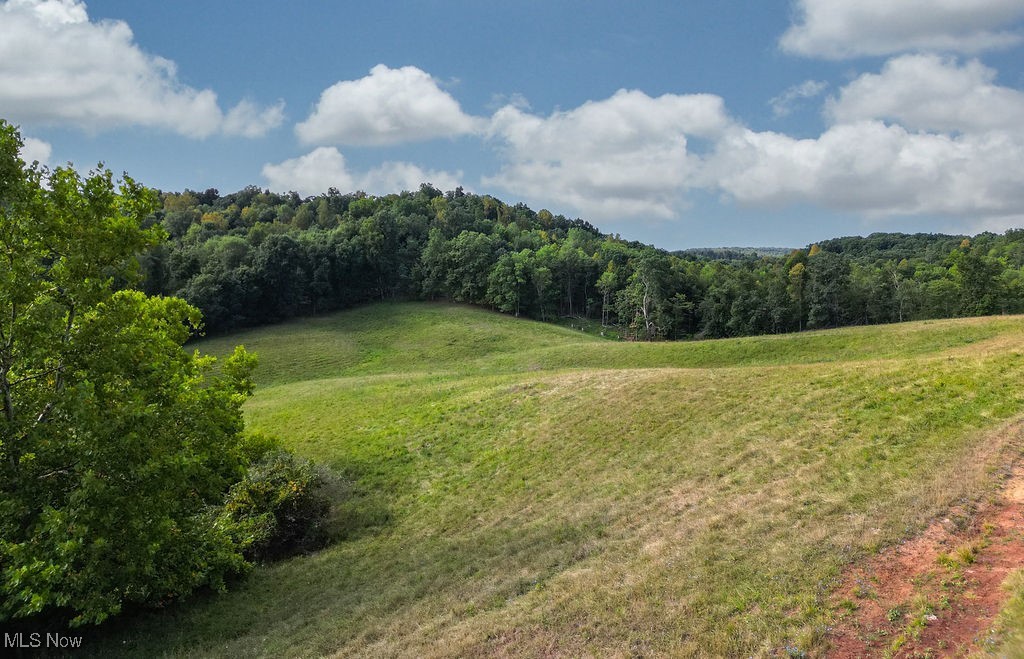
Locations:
279 508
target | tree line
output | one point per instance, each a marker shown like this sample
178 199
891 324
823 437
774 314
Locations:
255 257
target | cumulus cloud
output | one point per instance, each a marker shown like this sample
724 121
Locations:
250 120
928 92
389 106
311 174
396 176
57 66
926 135
874 169
33 149
783 104
625 155
838 29
912 139
325 167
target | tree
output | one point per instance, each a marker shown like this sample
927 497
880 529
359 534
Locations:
432 264
607 284
643 300
902 288
797 279
468 262
508 284
281 266
544 265
977 278
828 289
115 443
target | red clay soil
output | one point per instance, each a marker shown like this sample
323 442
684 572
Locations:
911 601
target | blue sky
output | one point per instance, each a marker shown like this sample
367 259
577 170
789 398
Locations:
682 124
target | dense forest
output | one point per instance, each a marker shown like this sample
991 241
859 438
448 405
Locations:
255 257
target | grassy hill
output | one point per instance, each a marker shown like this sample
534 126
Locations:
522 489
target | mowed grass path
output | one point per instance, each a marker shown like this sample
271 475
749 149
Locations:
522 489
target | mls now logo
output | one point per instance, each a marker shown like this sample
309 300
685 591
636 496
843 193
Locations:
36 640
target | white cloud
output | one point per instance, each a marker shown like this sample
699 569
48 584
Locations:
838 29
912 139
928 92
874 169
783 104
53 12
389 106
311 174
397 176
626 155
56 66
33 149
325 167
925 136
633 156
249 120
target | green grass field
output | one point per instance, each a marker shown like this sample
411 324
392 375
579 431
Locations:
523 489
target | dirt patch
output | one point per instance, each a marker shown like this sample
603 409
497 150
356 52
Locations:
937 594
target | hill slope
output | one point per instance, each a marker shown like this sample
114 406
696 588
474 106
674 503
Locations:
518 488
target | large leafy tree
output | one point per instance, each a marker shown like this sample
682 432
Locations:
644 299
116 445
827 291
977 277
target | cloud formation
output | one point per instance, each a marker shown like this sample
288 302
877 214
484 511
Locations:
932 93
388 106
926 135
625 155
33 149
325 167
250 120
58 67
874 169
311 174
839 29
783 104
391 177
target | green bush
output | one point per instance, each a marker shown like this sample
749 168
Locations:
279 508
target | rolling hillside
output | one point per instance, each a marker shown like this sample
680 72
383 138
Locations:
515 488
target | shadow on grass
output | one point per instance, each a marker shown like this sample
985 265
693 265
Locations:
359 592
353 516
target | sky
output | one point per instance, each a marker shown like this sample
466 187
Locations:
676 123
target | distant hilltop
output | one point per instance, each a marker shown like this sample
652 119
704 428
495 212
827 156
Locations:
729 253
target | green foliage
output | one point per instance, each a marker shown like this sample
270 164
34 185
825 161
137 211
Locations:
828 289
253 257
644 302
279 508
115 444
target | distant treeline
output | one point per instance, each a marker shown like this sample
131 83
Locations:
255 257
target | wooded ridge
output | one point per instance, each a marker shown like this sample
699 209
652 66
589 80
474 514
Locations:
255 257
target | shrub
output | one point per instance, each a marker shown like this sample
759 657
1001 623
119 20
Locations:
279 508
